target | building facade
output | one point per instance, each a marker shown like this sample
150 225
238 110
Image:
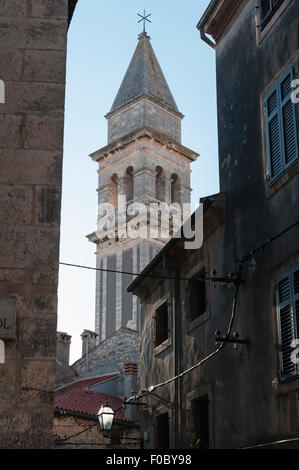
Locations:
243 281
32 88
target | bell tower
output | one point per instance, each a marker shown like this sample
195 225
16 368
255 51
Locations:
145 161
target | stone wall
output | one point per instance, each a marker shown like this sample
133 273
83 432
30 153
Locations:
143 113
110 355
32 56
66 425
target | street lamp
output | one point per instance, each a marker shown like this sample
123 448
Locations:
105 417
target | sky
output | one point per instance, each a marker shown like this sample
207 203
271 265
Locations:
101 41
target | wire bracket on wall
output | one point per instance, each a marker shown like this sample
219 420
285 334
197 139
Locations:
234 339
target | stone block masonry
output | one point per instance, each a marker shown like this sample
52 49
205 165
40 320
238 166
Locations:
32 57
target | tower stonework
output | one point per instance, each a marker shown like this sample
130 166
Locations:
145 161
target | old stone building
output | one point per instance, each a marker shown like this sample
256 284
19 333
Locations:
76 409
243 282
33 37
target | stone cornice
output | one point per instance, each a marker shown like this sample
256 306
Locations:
144 97
144 133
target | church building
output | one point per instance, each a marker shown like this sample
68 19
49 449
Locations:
144 161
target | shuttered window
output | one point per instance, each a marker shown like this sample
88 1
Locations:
267 10
287 298
281 127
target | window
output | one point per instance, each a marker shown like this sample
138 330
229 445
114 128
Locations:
197 296
162 330
267 10
287 295
281 127
200 421
162 431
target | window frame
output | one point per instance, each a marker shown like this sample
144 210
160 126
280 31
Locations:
274 6
158 348
278 110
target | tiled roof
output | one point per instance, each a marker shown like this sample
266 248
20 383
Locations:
77 398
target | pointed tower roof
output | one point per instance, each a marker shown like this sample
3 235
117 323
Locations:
144 77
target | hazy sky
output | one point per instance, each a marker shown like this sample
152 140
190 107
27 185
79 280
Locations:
102 39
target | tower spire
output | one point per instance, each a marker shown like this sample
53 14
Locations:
144 77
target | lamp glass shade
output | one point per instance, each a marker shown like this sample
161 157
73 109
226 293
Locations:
105 417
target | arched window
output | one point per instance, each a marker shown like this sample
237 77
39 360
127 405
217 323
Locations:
130 183
175 193
114 190
160 193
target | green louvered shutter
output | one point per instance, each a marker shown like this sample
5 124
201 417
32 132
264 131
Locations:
281 127
285 323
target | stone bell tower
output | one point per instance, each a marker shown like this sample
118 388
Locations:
145 161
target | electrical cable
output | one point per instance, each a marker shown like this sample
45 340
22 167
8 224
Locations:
226 278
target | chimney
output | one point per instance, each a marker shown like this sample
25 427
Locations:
130 387
63 342
89 341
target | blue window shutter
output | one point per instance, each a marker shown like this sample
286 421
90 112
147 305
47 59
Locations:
295 281
288 119
274 141
281 127
285 323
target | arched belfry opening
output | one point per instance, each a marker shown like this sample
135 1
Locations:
160 184
175 188
114 190
129 179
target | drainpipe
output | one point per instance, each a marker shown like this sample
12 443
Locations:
176 317
203 21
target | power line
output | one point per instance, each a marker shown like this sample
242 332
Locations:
226 278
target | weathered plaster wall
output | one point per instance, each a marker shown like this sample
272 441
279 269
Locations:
32 57
248 404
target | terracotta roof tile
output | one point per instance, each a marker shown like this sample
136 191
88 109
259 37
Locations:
77 398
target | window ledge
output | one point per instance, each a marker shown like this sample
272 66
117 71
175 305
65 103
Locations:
289 385
288 175
162 347
192 325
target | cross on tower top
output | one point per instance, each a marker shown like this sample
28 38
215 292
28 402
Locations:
144 18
